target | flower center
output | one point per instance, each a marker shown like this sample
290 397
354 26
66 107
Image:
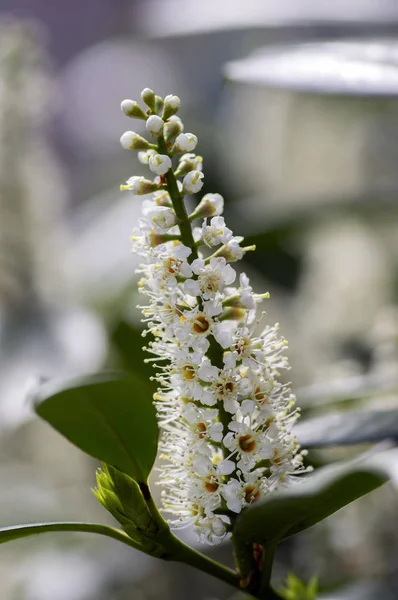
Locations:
201 430
210 283
251 493
172 266
241 346
246 443
188 372
211 485
225 388
201 324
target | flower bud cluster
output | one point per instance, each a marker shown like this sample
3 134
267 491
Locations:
226 416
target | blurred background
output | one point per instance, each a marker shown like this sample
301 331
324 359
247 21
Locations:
296 107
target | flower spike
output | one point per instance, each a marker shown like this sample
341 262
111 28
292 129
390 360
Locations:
226 416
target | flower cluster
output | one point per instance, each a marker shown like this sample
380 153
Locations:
226 416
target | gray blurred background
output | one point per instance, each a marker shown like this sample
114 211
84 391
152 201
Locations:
296 107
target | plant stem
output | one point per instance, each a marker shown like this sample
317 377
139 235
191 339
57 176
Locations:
22 531
266 569
185 554
178 205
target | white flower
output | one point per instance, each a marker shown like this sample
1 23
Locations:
239 494
225 388
162 217
250 445
159 163
154 124
216 233
212 278
192 182
203 423
210 529
186 142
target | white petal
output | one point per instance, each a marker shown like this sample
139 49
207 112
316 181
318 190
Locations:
226 467
182 251
247 407
192 287
229 275
197 265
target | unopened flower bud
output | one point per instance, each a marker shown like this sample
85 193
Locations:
172 128
162 217
132 109
232 313
171 105
192 182
232 250
185 142
139 186
162 198
148 96
211 205
133 141
158 104
154 124
145 155
189 162
156 239
159 164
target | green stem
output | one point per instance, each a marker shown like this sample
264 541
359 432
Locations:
8 534
180 552
178 205
255 571
266 569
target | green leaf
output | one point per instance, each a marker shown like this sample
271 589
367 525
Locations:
110 417
8 534
301 505
348 428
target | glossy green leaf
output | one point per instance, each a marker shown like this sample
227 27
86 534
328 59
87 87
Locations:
320 494
348 428
110 417
8 534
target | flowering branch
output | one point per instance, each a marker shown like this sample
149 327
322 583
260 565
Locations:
226 417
